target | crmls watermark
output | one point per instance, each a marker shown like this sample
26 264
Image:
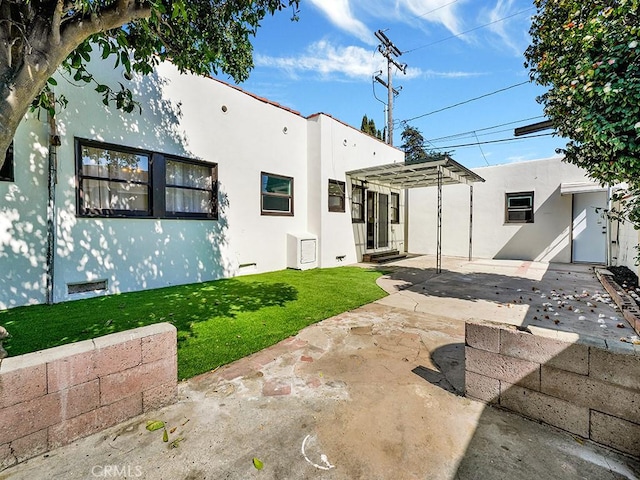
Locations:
116 471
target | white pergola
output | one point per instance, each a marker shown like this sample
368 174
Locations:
430 173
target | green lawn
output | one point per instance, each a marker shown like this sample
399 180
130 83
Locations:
218 322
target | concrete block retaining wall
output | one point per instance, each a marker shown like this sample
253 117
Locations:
583 388
52 397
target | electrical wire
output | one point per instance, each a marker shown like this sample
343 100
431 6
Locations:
464 102
502 140
468 31
436 9
470 132
481 151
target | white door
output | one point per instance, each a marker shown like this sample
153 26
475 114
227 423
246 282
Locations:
589 231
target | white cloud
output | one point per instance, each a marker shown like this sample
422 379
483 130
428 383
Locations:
339 12
349 15
513 38
333 62
444 12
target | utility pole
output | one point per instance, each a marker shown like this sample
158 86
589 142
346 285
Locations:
389 51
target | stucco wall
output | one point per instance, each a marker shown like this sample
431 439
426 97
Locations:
182 115
548 239
23 219
341 149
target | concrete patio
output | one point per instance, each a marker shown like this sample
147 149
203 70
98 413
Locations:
375 393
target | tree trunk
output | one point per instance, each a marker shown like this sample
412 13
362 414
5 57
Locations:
49 45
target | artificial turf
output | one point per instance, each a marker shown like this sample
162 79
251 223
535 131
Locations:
217 322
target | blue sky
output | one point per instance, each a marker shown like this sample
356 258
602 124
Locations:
325 62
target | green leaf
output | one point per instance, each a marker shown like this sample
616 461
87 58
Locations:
165 436
52 81
153 425
257 463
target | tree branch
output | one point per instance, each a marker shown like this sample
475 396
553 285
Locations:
56 22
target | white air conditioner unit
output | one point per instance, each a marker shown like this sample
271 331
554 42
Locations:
302 251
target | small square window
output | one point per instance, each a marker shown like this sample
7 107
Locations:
519 207
6 171
276 192
357 204
336 196
395 207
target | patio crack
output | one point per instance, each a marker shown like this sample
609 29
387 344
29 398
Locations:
416 303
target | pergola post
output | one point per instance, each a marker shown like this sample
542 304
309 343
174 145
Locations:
439 232
470 222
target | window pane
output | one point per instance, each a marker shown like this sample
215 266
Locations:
524 201
276 185
181 200
100 162
105 195
519 215
276 204
6 171
336 189
356 211
188 175
335 202
356 195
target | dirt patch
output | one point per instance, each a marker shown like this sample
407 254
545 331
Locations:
624 277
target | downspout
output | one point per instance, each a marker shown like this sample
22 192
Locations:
608 225
406 220
54 142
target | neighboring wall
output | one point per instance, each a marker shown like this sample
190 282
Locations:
546 240
625 248
582 386
53 397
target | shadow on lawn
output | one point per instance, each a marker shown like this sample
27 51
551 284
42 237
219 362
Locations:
44 326
224 298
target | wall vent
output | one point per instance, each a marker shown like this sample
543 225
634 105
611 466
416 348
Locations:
83 287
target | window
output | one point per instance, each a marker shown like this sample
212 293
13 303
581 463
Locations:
357 204
6 171
519 207
276 194
116 181
189 188
336 196
395 207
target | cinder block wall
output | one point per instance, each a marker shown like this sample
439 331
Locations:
584 388
52 397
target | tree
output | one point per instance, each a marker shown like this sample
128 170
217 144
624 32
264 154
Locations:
39 36
413 145
588 53
368 126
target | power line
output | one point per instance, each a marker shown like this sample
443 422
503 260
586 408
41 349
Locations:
465 101
469 31
480 147
502 140
470 132
436 9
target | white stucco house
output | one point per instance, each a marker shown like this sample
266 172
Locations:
543 210
211 181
